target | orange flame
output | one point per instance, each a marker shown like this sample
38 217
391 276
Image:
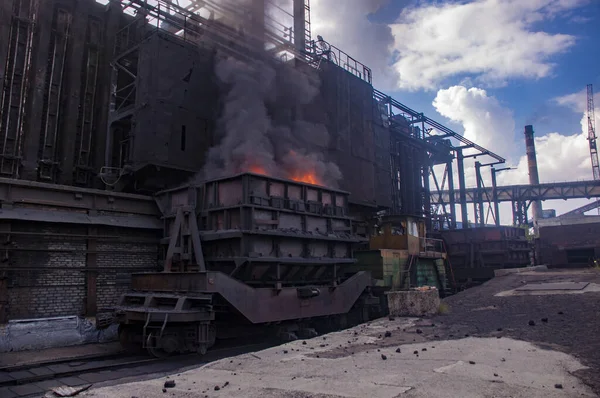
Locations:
257 170
309 178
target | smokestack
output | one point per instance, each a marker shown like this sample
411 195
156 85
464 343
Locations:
534 178
300 25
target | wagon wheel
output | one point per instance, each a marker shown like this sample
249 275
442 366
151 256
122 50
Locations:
152 350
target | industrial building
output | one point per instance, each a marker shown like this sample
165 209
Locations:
104 106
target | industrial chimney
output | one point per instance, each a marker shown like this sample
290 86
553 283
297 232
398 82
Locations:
534 178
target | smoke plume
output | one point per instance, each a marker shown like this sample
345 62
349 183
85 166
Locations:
261 128
250 139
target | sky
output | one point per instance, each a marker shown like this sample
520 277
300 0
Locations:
485 68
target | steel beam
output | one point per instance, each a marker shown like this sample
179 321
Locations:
509 193
495 198
462 191
479 213
32 193
91 275
259 305
5 228
300 25
452 200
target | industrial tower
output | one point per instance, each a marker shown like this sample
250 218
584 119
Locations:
592 132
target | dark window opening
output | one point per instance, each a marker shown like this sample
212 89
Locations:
183 138
580 256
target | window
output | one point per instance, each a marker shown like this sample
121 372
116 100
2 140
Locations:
183 138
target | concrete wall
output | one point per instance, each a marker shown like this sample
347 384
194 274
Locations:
49 274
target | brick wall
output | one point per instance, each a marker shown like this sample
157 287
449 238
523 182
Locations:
117 260
47 266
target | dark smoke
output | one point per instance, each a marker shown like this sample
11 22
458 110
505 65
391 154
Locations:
261 126
250 138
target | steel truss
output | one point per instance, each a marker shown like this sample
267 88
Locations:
437 140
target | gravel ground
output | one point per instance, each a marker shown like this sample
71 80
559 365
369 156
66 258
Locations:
565 322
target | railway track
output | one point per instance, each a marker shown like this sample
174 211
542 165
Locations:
37 378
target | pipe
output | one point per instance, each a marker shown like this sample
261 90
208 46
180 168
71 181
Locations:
452 198
300 25
495 198
460 160
534 178
479 197
258 32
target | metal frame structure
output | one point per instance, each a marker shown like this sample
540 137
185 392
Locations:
592 132
436 139
16 84
521 196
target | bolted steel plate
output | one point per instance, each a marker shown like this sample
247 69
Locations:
554 286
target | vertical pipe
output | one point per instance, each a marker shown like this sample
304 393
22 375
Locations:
479 194
258 23
534 178
452 199
299 25
495 198
462 188
427 195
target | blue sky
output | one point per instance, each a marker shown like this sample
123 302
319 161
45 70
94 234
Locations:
531 100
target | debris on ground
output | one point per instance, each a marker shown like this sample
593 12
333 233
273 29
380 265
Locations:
169 384
66 391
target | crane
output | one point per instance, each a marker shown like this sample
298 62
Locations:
592 132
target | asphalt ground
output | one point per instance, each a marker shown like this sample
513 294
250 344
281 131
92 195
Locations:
566 322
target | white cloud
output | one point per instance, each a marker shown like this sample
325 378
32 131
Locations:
493 40
346 25
484 119
560 157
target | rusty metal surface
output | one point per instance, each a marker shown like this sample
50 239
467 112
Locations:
70 217
32 193
59 76
476 252
259 305
261 229
555 242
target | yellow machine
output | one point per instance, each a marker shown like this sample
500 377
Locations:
400 256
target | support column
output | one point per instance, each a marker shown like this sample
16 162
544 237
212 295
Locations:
462 188
5 227
452 199
495 198
91 273
72 104
427 196
479 197
258 23
299 25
